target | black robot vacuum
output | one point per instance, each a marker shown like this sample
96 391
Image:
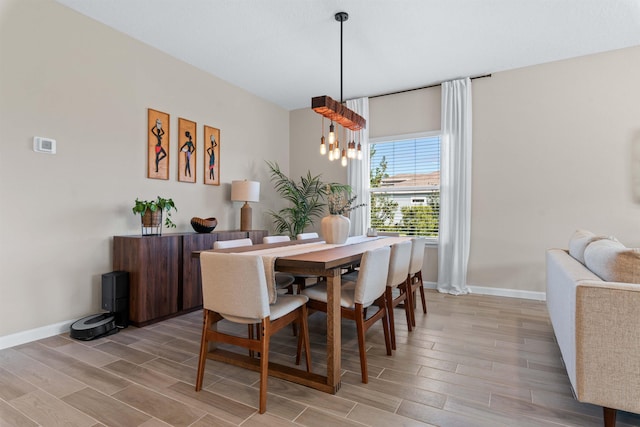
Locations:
94 326
115 299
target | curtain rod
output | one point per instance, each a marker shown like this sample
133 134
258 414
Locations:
423 87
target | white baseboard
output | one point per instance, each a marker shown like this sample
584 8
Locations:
500 292
34 334
50 330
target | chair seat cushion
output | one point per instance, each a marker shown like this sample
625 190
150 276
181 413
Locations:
319 293
286 304
283 280
351 276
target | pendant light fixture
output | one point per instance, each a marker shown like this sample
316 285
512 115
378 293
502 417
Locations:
339 113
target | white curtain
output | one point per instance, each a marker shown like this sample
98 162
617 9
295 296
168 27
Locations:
455 187
358 171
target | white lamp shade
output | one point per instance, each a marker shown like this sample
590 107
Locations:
245 191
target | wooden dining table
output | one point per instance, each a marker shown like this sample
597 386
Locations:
312 257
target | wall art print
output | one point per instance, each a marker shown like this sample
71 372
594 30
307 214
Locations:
186 150
211 155
157 144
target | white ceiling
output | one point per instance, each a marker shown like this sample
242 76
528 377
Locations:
287 51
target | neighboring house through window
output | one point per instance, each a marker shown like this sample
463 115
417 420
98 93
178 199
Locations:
405 184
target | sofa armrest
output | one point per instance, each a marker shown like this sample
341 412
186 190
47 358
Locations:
563 274
608 344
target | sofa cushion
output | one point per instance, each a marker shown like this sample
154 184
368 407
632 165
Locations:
579 242
612 261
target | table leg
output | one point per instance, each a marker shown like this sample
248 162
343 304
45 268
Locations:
334 338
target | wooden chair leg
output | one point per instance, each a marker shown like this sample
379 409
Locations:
609 416
382 304
251 335
424 301
305 334
264 363
304 338
412 303
406 290
359 318
299 345
204 344
392 328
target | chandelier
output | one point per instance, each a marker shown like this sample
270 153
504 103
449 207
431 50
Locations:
338 113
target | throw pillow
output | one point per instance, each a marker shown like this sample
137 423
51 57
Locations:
579 242
613 262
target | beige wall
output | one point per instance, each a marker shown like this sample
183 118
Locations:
554 149
67 77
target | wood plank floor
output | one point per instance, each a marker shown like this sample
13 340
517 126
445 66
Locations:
473 360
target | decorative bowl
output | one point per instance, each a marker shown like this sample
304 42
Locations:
205 225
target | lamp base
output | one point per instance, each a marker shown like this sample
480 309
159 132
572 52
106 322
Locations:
245 217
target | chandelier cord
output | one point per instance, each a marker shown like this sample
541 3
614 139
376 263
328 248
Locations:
341 98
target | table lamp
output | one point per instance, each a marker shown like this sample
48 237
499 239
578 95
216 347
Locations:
245 191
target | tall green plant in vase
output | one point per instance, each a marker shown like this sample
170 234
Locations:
306 199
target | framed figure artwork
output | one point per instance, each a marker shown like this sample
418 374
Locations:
211 155
157 144
186 150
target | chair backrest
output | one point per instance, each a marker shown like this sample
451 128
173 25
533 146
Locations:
225 244
275 239
235 286
305 236
399 263
372 277
417 255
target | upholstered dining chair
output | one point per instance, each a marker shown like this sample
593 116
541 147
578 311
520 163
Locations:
299 279
414 278
305 236
369 289
397 279
234 288
283 280
275 239
236 243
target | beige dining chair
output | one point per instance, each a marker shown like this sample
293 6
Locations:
234 288
414 278
356 297
298 279
283 280
397 279
305 236
236 243
275 239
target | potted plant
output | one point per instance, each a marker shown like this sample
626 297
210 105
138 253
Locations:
150 212
335 227
306 199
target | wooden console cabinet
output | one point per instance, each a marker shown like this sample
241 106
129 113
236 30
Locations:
164 280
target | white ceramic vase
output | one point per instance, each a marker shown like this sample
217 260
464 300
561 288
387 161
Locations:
335 229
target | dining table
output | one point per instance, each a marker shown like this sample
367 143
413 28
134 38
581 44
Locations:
318 258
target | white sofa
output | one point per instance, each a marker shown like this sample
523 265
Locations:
593 298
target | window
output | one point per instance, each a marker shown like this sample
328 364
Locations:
404 184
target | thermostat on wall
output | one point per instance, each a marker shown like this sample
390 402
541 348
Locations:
44 145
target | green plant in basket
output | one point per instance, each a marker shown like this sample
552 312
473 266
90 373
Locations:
161 204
